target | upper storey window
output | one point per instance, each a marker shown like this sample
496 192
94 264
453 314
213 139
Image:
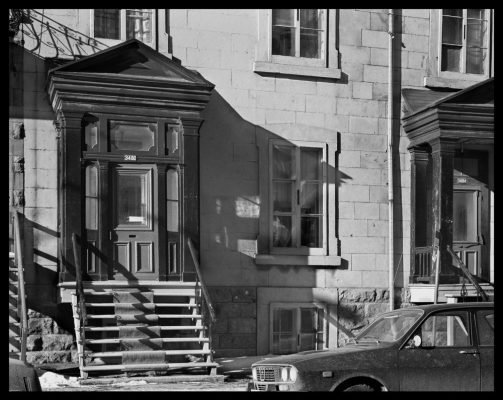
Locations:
461 47
298 33
464 40
297 42
123 24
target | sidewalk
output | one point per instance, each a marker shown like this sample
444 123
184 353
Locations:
233 374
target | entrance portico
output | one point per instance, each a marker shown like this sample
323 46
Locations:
128 121
451 145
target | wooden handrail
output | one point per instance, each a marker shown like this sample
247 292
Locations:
18 243
78 279
468 274
201 281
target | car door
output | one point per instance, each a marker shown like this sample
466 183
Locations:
485 335
446 360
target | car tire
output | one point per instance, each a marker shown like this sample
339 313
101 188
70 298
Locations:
360 388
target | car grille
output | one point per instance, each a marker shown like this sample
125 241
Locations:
267 374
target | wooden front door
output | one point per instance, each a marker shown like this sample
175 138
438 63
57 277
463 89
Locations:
133 231
471 212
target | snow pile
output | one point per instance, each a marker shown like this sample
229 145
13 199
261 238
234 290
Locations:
137 382
51 380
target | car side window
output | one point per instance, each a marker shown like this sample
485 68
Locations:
485 326
446 329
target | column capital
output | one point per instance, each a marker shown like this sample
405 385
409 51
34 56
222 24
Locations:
419 153
443 146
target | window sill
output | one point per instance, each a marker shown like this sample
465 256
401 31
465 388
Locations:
322 261
452 83
299 70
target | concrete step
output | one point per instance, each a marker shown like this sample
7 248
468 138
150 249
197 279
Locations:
164 340
105 354
165 316
188 305
163 328
148 367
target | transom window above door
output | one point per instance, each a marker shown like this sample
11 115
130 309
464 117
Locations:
123 24
104 133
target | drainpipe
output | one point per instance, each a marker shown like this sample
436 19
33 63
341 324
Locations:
391 244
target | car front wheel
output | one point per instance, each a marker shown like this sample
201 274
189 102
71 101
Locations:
360 388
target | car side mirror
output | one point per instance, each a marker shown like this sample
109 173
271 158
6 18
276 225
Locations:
414 343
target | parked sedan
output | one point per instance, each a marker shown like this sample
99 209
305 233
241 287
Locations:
23 377
433 347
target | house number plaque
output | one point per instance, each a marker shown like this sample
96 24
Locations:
129 157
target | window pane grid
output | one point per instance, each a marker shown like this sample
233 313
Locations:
464 41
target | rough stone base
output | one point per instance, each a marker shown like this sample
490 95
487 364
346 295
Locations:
47 342
235 332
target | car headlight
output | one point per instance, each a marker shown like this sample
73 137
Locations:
254 373
288 374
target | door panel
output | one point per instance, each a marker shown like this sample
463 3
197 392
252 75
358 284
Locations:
447 359
134 231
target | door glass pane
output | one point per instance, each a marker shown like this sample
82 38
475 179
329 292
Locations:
282 231
464 216
91 135
107 23
135 136
172 140
91 197
133 198
139 24
283 162
172 200
282 196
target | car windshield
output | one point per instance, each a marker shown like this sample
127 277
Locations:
389 327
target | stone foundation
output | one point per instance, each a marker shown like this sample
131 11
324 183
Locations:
235 332
47 341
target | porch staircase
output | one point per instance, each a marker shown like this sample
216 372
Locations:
141 329
14 320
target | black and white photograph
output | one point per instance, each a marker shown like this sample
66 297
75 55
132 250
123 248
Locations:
221 200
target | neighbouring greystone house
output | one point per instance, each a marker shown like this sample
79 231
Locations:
262 136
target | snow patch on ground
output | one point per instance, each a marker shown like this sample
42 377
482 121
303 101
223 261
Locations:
50 380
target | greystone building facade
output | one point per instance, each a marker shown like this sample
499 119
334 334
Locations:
277 141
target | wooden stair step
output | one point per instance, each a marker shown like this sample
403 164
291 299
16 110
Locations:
156 304
164 340
163 328
112 316
148 367
103 354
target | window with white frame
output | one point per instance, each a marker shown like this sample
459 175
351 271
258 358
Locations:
298 33
461 47
297 42
123 24
296 327
297 206
464 40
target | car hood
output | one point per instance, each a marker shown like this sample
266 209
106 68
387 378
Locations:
306 356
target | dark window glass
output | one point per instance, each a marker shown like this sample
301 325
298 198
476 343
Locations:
107 23
485 324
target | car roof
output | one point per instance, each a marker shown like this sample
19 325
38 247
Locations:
448 306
